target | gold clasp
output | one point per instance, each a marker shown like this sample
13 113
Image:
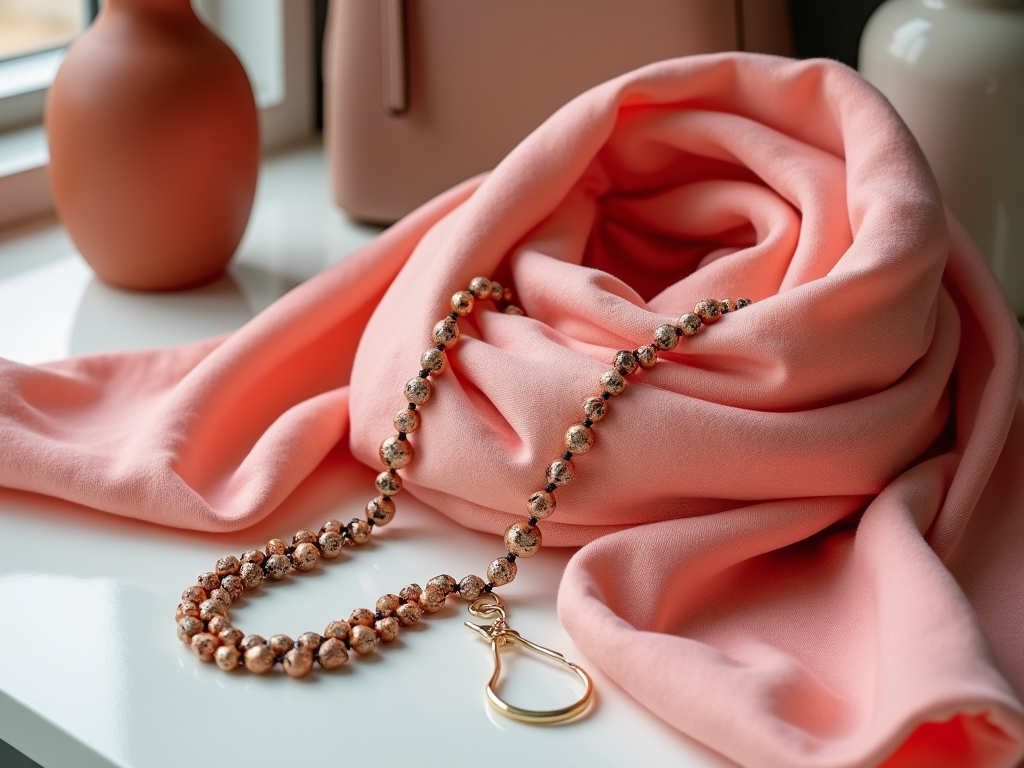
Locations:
489 606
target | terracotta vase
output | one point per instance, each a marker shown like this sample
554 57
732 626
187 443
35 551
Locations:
154 146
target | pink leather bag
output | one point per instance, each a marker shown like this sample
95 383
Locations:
421 94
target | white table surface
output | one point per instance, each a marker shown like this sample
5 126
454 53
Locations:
91 673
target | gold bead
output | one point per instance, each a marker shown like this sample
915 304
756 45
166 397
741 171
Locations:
727 305
690 323
741 303
208 581
277 566
595 408
444 582
501 571
227 657
579 439
186 608
332 526
305 557
276 547
251 575
666 337
708 310
387 629
624 362
446 333
210 608
408 614
330 543
358 531
233 585
381 510
363 639
252 556
218 624
523 539
434 360
418 390
251 641
560 472
388 483
395 453
541 504
432 599
298 662
280 644
646 355
612 382
388 604
462 303
189 627
361 617
303 537
338 630
512 309
227 565
496 290
222 596
411 593
480 287
406 420
259 659
308 640
194 594
231 636
507 294
332 653
471 587
204 645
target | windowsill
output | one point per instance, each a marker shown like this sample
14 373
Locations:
23 150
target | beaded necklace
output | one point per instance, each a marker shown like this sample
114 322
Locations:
201 617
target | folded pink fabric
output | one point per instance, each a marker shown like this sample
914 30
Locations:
801 531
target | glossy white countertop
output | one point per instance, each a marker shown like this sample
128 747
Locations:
91 673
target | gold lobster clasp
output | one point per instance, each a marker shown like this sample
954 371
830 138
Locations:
489 606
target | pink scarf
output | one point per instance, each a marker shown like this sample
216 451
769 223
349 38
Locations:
801 533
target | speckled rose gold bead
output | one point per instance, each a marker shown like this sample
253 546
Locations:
253 556
512 309
361 617
444 582
331 543
194 595
280 644
338 630
251 575
541 504
501 571
507 294
276 547
666 337
259 659
406 421
186 608
612 382
646 355
418 391
388 483
208 581
303 537
332 653
332 525
305 557
708 310
381 510
232 636
411 592
251 641
188 627
227 565
497 290
523 539
432 599
741 303
359 531
434 361
363 639
578 438
204 645
595 408
624 362
233 585
690 323
408 614
480 287
727 305
471 587
387 629
218 624
210 608
446 333
388 604
277 566
309 640
560 472
227 657
298 662
222 596
395 453
462 303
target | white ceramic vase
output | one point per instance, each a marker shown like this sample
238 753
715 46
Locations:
954 70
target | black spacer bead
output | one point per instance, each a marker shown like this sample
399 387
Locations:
510 557
456 589
440 347
567 455
588 423
402 601
679 331
370 522
488 587
412 406
348 645
532 521
605 395
289 551
550 487
402 435
423 373
346 535
378 615
453 315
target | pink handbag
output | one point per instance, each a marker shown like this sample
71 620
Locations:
422 94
